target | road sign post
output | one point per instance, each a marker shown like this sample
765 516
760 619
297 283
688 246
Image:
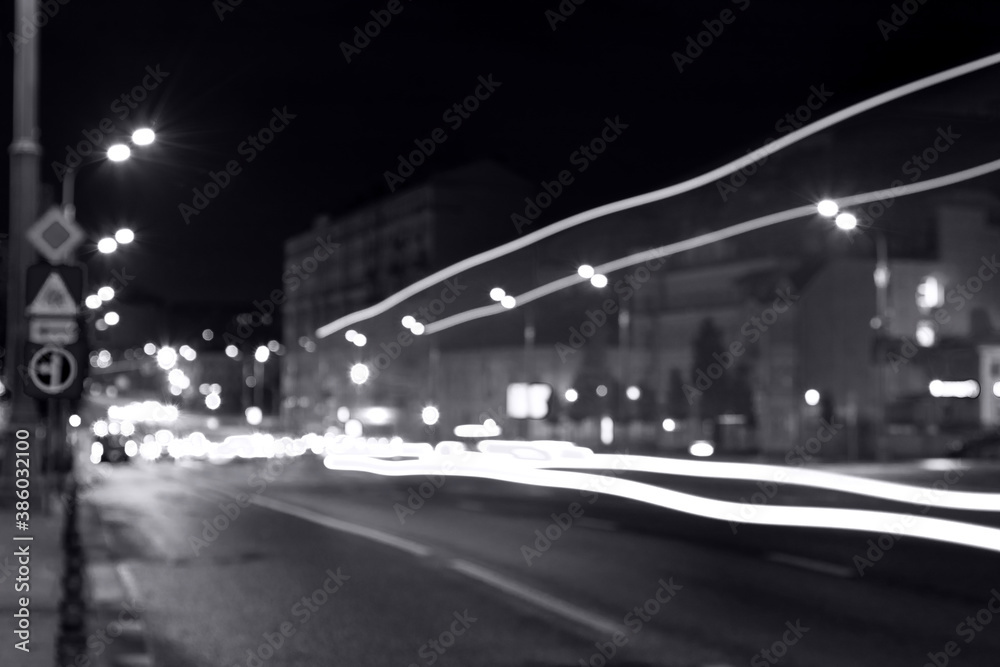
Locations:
55 353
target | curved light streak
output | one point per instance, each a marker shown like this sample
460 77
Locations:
656 195
799 476
928 528
712 237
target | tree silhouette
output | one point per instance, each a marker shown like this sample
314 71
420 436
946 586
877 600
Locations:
678 407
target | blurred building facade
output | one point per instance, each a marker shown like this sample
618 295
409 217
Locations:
375 251
760 343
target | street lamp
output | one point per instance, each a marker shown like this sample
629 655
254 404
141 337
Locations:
116 153
119 153
430 415
124 236
848 222
260 355
359 374
143 137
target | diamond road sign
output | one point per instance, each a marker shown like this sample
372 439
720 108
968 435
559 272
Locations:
54 236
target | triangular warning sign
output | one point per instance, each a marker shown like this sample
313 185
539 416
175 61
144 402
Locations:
53 299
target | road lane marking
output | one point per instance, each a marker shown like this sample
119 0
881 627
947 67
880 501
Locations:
811 564
312 516
563 609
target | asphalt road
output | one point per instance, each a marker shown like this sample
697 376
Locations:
341 568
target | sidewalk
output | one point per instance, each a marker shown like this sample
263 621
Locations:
112 633
116 634
44 579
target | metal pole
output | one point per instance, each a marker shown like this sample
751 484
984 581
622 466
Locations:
258 390
881 277
623 354
68 190
25 158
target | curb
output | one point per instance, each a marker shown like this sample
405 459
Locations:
116 630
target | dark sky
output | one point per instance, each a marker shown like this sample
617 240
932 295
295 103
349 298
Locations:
224 78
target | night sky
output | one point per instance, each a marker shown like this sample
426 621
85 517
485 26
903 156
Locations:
222 71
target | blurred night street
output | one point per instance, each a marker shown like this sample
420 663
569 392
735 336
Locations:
554 334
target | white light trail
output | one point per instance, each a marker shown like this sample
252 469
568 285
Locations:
709 238
521 472
656 195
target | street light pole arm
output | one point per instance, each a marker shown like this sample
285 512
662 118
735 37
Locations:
68 185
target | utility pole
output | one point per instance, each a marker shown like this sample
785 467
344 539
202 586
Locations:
25 159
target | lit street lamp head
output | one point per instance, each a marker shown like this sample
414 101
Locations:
107 245
359 373
846 221
430 415
119 153
124 236
827 208
143 137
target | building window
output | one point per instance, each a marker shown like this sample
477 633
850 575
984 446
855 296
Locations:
929 293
